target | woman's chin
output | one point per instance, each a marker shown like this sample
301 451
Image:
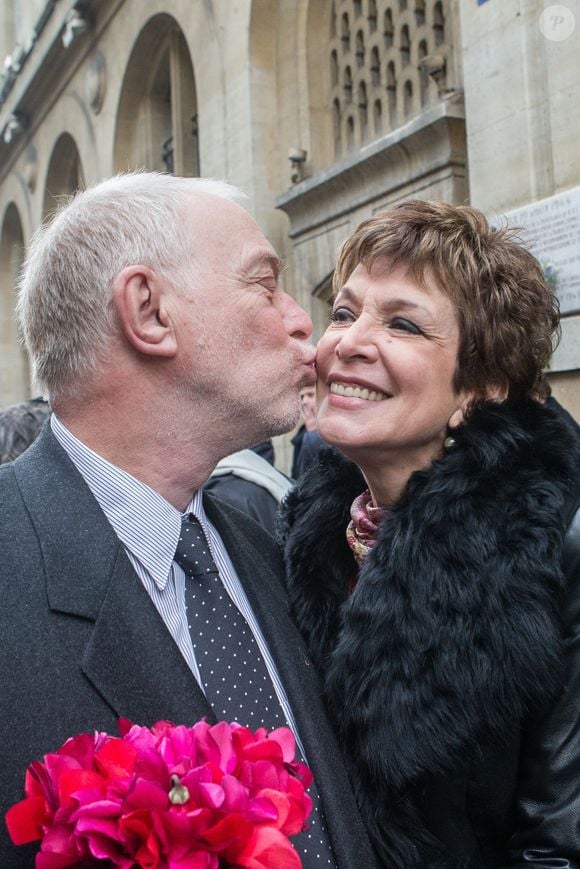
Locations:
351 444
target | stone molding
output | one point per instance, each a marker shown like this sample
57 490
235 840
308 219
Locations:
426 147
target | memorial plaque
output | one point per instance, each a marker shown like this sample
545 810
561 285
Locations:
551 229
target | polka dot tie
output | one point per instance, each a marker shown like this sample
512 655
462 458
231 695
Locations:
235 678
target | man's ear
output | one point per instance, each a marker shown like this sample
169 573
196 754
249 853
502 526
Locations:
139 298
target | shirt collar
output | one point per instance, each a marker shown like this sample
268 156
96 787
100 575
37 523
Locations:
144 521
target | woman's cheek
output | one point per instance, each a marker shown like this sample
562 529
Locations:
325 351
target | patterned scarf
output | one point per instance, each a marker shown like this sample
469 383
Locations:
361 534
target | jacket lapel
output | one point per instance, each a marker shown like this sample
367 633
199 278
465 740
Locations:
134 662
130 658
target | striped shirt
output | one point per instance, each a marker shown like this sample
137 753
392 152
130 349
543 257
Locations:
149 528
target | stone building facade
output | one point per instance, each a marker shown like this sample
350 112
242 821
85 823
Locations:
323 111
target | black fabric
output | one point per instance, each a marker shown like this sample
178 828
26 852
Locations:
310 446
251 498
83 644
296 442
265 449
307 445
450 679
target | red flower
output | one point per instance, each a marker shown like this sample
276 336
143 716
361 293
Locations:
166 797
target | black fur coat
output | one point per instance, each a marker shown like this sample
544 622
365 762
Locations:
443 666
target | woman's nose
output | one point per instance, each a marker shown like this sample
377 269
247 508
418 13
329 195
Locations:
357 341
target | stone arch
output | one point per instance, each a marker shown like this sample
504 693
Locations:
14 371
65 173
157 114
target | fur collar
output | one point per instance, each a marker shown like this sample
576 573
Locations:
452 633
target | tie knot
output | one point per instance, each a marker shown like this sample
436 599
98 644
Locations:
193 554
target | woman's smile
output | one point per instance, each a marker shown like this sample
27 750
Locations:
352 390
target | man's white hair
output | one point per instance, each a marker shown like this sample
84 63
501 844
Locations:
65 289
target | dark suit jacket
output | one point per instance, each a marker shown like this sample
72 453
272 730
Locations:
82 643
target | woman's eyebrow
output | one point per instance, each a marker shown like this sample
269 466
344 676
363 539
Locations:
406 304
345 292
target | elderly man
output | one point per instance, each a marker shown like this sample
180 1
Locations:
153 315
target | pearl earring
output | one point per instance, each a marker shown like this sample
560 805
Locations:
449 443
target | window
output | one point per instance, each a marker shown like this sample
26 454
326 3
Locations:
375 67
405 46
345 33
363 110
438 24
388 29
378 65
419 12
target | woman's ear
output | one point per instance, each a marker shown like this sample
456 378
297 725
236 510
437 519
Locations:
497 392
456 418
465 400
139 298
493 392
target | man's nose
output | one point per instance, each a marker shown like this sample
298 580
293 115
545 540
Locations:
298 323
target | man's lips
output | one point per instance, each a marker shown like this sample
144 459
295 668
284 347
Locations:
310 360
309 364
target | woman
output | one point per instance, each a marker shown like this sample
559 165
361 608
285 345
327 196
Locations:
430 566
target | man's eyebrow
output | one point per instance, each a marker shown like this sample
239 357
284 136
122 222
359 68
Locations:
267 259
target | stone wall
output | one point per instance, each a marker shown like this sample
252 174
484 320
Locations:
522 102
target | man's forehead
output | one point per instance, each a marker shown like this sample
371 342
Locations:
200 204
228 226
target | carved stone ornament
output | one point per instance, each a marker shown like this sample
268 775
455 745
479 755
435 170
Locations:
30 168
96 82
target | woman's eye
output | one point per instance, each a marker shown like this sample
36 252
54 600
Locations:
341 315
403 325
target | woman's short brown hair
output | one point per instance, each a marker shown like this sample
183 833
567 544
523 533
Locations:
508 315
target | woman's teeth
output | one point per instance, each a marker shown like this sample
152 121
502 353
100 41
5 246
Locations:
356 391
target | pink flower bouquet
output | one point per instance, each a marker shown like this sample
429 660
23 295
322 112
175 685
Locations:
166 797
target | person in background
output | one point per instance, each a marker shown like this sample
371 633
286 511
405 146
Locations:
433 557
152 312
307 440
249 481
20 425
